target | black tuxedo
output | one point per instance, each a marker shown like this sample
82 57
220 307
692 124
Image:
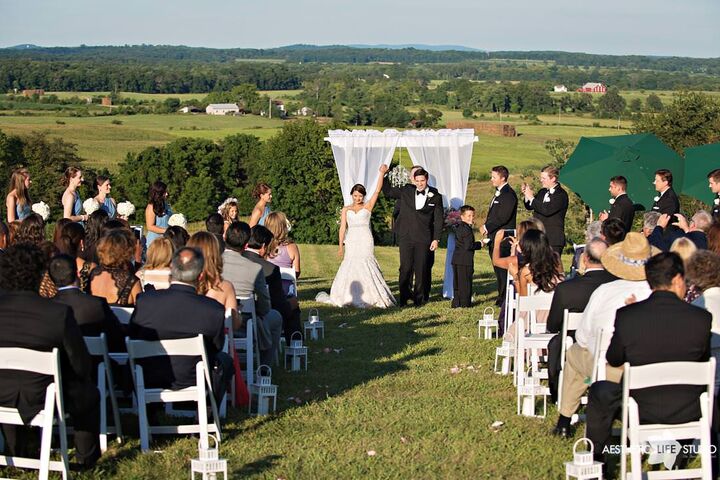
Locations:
668 203
663 239
662 328
416 230
94 316
278 299
462 262
715 212
502 214
572 295
178 312
624 209
30 321
552 214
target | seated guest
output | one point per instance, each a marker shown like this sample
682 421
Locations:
696 231
625 260
215 224
650 220
248 280
515 253
283 252
703 271
59 225
71 242
613 231
30 321
662 328
32 231
92 314
573 295
179 312
4 233
156 271
114 279
593 230
93 229
178 236
685 248
713 237
256 250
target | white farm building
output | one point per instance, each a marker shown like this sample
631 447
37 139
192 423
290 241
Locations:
222 108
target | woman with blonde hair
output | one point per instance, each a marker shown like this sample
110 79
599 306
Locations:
263 194
71 202
156 271
283 252
113 279
686 249
229 212
18 199
211 282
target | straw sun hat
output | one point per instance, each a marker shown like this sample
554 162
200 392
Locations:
627 259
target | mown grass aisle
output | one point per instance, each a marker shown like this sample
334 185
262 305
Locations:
380 382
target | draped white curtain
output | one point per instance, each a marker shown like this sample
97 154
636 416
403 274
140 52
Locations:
358 156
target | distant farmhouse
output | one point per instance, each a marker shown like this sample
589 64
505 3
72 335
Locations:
222 108
560 89
592 87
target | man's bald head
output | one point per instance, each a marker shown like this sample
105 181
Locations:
187 265
594 250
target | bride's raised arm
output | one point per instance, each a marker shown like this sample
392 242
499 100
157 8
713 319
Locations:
371 202
343 228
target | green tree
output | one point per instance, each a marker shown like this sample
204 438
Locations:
635 105
653 103
560 150
612 103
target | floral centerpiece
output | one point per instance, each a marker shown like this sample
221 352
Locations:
42 209
125 209
91 205
177 220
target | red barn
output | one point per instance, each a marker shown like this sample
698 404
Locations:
592 87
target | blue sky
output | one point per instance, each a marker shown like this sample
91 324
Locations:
655 27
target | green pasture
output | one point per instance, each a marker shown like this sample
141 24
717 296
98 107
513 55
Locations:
159 97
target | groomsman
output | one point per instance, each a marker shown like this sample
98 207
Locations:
549 206
714 184
622 207
502 214
667 200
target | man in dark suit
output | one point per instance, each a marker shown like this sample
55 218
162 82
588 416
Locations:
667 200
462 260
92 314
573 295
695 231
418 226
549 206
30 321
502 214
622 207
714 184
260 238
662 328
179 312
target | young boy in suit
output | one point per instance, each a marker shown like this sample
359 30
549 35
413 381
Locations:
462 259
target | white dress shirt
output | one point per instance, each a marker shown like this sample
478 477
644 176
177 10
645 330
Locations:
420 199
600 310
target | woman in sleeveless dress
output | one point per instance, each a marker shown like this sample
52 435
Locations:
359 281
283 251
114 279
18 199
103 198
157 212
263 194
71 202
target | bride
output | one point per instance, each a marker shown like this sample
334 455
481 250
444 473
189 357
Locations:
359 281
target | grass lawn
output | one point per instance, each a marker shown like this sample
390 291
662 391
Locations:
384 386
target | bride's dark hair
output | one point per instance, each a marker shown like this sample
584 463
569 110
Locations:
358 188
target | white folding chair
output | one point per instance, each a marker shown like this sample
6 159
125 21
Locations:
53 412
249 344
531 343
200 392
602 343
97 347
123 314
571 321
635 434
288 273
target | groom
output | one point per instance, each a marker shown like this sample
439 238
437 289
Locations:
418 226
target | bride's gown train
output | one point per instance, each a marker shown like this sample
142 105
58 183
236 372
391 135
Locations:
359 281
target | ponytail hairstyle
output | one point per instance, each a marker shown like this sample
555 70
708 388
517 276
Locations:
99 180
260 189
70 172
71 237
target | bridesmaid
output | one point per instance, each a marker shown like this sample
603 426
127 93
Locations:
72 205
103 197
263 193
157 212
18 199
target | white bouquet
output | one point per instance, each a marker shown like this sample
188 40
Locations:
399 176
125 209
91 205
177 220
42 209
223 204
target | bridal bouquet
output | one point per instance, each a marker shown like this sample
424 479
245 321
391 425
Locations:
399 176
91 205
177 220
125 209
42 209
452 218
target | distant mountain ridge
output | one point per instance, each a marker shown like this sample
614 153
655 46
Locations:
421 46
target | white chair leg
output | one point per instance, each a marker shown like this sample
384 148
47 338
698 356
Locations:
103 407
202 405
142 412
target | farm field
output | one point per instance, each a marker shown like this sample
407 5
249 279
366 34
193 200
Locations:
276 94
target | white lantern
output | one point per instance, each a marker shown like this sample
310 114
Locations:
314 327
264 390
528 389
486 324
583 466
506 354
208 465
296 352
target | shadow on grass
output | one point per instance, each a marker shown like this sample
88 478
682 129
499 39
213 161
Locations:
256 467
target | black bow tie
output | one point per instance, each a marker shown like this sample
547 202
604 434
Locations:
420 192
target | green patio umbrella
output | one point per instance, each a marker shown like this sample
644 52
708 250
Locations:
699 161
636 157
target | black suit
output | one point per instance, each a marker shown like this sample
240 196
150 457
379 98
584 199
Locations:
551 212
462 262
716 208
662 328
667 204
663 239
624 209
179 312
416 230
572 295
502 214
94 316
278 299
30 321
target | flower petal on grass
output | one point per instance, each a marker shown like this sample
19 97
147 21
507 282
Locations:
371 453
454 370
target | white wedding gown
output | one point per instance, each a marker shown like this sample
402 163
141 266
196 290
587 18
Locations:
359 281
